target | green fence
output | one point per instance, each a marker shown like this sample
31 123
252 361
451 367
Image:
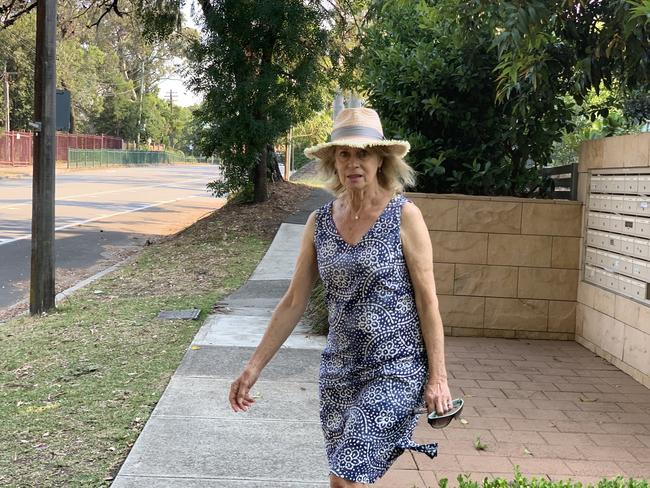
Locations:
93 158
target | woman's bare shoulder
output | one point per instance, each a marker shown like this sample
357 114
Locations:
411 214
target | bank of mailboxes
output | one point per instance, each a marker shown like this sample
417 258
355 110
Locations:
633 184
617 252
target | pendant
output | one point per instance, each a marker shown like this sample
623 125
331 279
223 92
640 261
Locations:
356 217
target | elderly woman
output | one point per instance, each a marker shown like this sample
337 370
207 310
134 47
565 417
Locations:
384 356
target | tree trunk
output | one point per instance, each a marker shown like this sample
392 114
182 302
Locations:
259 190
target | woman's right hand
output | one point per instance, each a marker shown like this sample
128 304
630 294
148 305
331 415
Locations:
240 399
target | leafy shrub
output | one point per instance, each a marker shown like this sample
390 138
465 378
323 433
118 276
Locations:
429 70
520 481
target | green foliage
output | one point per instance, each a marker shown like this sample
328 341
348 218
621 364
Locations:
603 114
519 481
17 48
429 71
559 46
258 65
636 106
314 130
108 71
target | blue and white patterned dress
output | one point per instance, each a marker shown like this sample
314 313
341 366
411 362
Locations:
374 366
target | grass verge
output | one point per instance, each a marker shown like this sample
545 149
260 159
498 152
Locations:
78 385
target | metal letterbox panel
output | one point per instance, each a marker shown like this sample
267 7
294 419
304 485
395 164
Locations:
593 220
614 263
616 203
639 288
594 184
600 277
610 280
627 266
604 221
631 184
591 237
594 202
590 273
629 205
628 225
614 242
609 262
645 272
606 203
641 249
615 223
643 207
617 184
606 184
643 184
591 256
625 286
626 246
639 269
601 240
642 227
606 242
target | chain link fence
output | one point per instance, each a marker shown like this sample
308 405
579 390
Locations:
83 158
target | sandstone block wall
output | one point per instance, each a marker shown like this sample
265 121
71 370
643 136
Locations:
505 267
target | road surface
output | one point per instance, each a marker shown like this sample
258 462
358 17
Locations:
100 215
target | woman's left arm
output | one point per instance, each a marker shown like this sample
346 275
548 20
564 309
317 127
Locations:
419 260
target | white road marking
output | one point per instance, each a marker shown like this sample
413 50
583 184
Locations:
29 236
14 206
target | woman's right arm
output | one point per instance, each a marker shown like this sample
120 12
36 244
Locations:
284 319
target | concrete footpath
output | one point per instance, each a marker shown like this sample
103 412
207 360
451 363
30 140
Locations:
552 408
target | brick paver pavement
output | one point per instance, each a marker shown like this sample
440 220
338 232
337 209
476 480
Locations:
553 408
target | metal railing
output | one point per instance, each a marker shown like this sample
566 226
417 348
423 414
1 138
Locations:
565 180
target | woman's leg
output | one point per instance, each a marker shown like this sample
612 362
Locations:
337 482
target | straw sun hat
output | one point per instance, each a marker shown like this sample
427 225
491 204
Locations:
357 127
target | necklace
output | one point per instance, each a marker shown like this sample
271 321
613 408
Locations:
356 214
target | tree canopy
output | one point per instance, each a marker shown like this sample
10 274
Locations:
259 66
111 70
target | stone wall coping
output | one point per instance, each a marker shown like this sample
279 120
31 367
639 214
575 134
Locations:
459 196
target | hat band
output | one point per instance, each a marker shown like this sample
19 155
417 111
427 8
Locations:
356 131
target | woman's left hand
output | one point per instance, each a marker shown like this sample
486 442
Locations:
437 396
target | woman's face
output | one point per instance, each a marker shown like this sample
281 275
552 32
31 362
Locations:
356 167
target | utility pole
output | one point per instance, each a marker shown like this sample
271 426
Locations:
41 296
137 137
172 96
5 76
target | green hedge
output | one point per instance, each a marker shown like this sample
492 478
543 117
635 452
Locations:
520 481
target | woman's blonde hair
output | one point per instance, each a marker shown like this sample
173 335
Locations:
395 174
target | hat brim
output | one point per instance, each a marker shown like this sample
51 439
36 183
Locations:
319 151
